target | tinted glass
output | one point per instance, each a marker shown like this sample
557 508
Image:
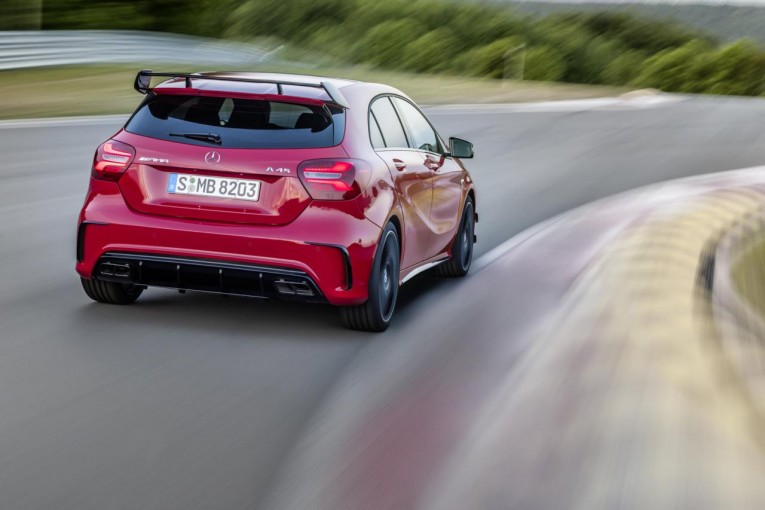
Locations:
374 132
240 123
390 125
425 137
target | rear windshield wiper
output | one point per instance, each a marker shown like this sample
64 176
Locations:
202 137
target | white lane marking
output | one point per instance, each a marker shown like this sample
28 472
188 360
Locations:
92 120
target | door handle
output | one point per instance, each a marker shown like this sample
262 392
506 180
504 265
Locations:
433 165
400 165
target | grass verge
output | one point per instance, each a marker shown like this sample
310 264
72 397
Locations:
108 89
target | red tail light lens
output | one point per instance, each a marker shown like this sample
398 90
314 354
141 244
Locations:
330 179
112 159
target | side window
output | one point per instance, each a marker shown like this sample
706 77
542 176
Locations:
378 142
390 125
425 137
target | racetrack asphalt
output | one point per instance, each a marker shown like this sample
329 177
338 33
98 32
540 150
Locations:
194 401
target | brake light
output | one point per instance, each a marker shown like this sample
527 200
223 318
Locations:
330 179
112 159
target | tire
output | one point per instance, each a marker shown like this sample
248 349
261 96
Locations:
375 315
110 292
462 250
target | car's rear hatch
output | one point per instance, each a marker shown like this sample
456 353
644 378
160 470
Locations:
245 171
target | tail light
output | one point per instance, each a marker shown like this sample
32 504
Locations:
334 179
112 159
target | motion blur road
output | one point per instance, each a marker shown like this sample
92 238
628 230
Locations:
195 401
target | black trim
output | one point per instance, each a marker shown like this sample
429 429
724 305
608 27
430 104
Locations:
346 261
379 130
81 238
206 275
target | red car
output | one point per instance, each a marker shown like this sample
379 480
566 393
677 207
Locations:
273 185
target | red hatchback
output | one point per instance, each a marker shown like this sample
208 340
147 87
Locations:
271 185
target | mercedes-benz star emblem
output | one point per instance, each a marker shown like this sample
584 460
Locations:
212 157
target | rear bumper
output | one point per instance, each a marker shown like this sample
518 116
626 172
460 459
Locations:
330 249
207 276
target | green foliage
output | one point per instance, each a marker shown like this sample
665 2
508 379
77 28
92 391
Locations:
624 68
385 43
20 14
597 54
727 22
676 70
469 38
491 59
543 64
434 51
737 69
93 14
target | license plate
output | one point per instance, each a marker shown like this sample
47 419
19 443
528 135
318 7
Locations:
207 186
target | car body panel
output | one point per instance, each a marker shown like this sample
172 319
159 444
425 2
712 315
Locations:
282 196
304 244
413 183
449 194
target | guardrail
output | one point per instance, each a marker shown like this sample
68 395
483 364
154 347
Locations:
26 49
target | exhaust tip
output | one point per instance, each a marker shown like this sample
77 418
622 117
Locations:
114 269
293 287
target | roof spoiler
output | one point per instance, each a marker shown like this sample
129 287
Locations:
143 83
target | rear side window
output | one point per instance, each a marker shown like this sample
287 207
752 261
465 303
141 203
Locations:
240 123
422 132
390 125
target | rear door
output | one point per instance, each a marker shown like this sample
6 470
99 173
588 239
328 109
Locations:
444 175
227 159
410 177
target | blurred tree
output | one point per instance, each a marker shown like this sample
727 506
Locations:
676 70
654 36
196 17
569 38
478 25
624 68
20 14
543 64
736 69
596 57
369 13
290 20
434 51
384 44
636 33
93 15
490 60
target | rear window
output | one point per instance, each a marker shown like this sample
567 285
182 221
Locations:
240 123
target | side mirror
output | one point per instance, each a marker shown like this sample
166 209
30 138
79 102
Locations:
459 148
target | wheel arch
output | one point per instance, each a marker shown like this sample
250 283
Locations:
471 195
399 232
